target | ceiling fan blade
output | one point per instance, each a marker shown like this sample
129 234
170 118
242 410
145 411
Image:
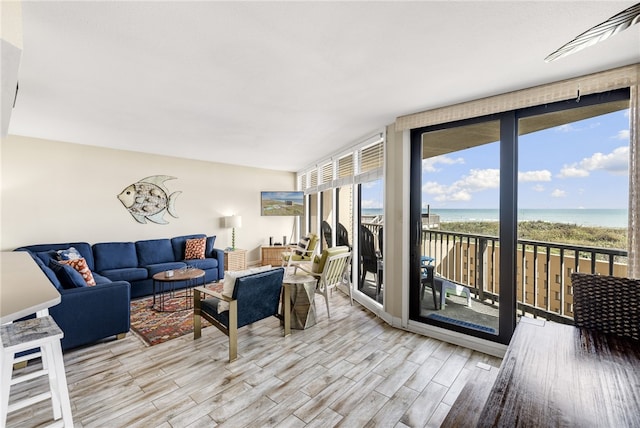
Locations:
600 32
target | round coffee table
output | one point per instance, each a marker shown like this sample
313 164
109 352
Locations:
166 284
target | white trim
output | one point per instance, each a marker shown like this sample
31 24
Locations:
456 338
406 230
360 143
372 175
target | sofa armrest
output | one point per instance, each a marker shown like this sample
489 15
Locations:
219 255
88 314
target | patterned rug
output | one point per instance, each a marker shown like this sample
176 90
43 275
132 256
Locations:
156 327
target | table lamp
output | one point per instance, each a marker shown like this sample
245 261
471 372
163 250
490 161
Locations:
233 221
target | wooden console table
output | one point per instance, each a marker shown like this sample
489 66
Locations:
272 255
559 375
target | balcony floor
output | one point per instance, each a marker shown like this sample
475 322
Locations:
480 316
484 315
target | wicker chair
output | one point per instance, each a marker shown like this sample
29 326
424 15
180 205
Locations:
607 303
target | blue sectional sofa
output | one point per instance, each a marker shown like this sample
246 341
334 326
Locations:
137 262
121 270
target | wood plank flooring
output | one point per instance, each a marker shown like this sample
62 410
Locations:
353 371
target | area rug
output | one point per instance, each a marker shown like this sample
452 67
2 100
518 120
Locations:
462 323
155 327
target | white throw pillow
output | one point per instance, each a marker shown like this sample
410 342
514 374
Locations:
230 283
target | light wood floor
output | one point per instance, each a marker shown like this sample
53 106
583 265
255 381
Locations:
352 371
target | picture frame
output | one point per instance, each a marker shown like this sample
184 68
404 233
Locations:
282 203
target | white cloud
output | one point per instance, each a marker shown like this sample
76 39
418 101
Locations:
565 128
616 162
569 127
429 164
541 175
461 190
557 193
572 171
371 203
623 134
538 188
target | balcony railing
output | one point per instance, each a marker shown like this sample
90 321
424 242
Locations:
543 269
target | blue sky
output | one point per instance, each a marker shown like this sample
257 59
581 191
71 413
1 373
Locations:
579 165
583 164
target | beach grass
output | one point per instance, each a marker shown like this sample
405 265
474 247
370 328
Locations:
562 233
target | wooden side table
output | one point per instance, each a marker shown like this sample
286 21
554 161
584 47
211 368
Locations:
235 259
303 305
272 255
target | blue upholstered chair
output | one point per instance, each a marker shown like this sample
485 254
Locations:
254 297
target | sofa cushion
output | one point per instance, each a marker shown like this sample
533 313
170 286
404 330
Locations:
161 267
80 265
114 255
178 245
154 251
195 248
230 282
126 274
99 279
204 264
68 276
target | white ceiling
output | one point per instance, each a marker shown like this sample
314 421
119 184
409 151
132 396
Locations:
279 85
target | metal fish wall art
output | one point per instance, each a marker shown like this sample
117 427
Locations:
149 199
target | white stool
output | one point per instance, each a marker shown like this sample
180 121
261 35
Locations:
447 287
42 333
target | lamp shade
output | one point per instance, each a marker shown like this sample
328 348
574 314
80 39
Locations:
233 221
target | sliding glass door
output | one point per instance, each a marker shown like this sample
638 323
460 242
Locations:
474 267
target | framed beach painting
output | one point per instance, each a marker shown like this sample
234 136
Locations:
282 203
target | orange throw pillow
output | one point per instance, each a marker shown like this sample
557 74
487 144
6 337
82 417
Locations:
195 248
83 269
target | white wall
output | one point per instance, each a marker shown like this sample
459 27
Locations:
60 192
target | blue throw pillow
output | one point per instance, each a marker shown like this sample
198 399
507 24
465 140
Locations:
211 240
68 276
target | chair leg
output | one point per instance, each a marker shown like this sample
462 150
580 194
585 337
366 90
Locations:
233 330
433 291
197 325
326 301
286 309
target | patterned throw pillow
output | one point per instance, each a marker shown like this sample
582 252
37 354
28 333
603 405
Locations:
302 246
194 248
81 266
69 254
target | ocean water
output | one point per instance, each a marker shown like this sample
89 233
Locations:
580 217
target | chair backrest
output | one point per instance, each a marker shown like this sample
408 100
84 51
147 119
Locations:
368 249
607 303
326 232
258 295
380 239
334 269
342 235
